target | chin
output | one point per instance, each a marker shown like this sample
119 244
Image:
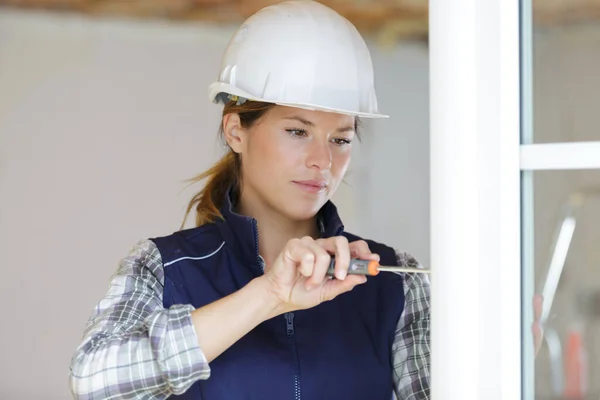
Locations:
303 210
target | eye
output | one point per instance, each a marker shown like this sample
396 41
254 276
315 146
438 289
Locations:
342 141
297 132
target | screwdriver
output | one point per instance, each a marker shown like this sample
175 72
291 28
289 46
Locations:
372 268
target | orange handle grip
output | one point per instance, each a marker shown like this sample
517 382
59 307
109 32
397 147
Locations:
357 267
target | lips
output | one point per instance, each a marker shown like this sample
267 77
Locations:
315 183
312 186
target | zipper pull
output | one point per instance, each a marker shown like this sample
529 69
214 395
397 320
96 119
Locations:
262 263
289 317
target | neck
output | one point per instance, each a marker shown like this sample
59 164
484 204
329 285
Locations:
274 229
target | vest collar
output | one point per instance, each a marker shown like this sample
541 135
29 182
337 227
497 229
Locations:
241 232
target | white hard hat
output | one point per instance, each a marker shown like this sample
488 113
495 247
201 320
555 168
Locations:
299 53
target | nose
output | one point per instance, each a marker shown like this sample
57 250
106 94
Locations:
319 155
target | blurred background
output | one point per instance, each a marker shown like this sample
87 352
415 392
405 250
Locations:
104 113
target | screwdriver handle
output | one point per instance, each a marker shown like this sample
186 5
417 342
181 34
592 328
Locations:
357 267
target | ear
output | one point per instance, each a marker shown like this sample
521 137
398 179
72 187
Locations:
235 134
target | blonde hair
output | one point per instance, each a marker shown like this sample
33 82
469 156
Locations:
225 172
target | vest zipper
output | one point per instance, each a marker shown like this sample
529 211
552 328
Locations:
289 318
261 261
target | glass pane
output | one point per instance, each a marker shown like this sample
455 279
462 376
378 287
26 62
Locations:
566 250
565 78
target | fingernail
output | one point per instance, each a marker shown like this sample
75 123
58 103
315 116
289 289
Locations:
341 275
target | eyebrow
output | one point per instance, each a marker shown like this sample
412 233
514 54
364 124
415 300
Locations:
311 124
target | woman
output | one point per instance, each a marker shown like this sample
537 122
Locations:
215 313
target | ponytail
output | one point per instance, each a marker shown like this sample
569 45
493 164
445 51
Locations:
226 172
209 200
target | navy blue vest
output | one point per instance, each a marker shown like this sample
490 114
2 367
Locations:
340 349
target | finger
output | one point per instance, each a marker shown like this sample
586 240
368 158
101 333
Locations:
321 265
334 287
307 264
360 249
342 257
301 256
339 246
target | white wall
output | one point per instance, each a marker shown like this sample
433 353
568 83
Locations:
100 122
99 125
395 168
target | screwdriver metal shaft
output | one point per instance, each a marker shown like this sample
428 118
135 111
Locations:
403 269
372 268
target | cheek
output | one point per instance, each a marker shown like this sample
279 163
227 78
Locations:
341 162
269 155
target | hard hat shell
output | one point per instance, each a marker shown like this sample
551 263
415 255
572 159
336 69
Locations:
299 53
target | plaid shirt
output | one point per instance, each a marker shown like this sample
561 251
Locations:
134 348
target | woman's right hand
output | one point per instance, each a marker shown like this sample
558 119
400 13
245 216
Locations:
298 278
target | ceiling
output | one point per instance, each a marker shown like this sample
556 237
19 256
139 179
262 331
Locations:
389 20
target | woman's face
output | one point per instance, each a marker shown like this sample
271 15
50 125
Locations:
292 159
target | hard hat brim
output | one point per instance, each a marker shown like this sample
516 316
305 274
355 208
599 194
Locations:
216 88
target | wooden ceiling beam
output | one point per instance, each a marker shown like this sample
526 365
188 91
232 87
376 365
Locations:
389 20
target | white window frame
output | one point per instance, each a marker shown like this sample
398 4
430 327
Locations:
478 112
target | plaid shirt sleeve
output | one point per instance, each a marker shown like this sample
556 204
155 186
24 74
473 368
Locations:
410 350
132 347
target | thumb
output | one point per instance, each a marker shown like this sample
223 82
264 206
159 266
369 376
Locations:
335 287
